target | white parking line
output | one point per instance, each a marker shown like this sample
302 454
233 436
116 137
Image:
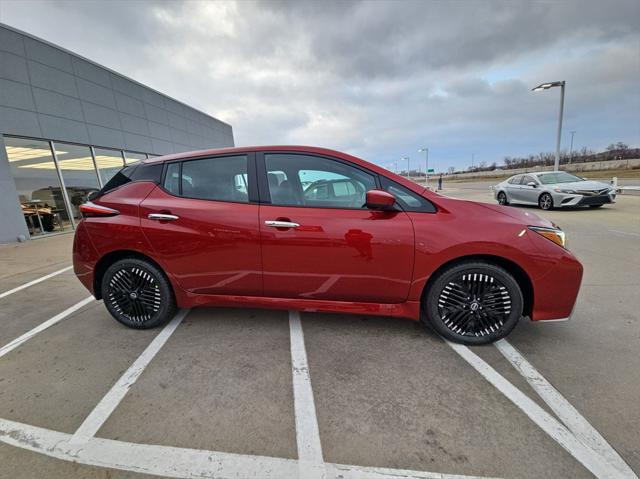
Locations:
307 432
35 281
554 428
178 462
110 401
576 423
47 324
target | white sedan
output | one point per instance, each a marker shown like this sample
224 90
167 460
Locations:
553 189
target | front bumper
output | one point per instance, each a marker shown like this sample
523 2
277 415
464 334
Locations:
563 199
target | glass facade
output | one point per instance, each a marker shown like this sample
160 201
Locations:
53 179
109 163
78 174
132 158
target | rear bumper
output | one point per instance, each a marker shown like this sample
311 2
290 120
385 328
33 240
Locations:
85 257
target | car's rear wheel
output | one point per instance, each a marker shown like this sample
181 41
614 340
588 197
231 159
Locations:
545 202
473 302
138 294
502 198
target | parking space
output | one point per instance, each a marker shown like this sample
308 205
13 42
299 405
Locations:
227 392
222 382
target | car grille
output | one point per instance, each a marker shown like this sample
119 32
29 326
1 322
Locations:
595 200
592 192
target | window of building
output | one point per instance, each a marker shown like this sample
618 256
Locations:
313 181
78 174
132 158
109 163
38 185
39 176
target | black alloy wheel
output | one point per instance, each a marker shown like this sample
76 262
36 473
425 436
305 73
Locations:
502 198
474 303
545 202
138 294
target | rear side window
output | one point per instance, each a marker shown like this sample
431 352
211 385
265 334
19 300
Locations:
122 177
407 199
147 172
515 180
219 179
135 172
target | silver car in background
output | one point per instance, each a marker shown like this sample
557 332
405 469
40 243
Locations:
553 189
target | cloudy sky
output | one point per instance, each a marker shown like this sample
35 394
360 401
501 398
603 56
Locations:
377 79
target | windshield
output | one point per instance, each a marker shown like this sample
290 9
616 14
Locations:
559 177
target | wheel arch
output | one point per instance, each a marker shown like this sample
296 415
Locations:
553 203
108 259
520 275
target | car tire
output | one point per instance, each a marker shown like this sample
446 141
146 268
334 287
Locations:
502 198
545 201
138 294
596 206
473 302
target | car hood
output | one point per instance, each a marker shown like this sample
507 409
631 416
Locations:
523 217
580 185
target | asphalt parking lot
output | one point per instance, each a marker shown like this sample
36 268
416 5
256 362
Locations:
257 393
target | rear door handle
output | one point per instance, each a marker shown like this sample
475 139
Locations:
281 224
162 217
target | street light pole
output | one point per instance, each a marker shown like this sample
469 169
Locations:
408 166
571 147
426 169
546 86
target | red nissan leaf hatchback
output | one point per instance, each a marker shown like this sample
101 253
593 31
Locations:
312 229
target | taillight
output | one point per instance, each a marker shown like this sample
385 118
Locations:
91 210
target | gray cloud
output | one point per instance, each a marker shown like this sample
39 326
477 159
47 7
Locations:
378 79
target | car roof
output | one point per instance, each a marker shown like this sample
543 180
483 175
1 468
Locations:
293 149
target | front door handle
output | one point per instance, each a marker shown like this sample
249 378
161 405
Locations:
162 217
281 224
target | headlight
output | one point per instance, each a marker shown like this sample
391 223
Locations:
554 234
561 190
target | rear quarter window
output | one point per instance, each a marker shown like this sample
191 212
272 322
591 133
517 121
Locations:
135 172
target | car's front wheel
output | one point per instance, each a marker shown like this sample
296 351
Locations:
545 202
502 198
138 294
473 302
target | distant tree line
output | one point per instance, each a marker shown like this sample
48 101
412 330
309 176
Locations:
615 151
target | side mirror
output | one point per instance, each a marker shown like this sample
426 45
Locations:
92 196
531 183
380 200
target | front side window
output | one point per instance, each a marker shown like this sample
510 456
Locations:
312 181
529 179
407 199
220 179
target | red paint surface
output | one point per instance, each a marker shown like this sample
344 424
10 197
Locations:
342 260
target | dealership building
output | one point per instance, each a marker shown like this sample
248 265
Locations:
67 125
